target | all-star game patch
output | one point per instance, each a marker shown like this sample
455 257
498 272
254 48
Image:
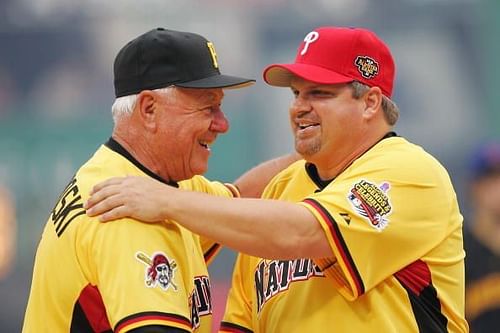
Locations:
159 270
371 202
367 66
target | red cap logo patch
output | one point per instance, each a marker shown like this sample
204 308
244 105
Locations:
367 67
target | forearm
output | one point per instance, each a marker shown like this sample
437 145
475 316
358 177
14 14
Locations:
264 228
252 183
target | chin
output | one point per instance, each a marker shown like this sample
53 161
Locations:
200 170
307 150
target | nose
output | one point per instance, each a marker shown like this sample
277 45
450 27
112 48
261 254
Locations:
300 105
219 123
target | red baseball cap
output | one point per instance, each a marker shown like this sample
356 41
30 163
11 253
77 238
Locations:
330 55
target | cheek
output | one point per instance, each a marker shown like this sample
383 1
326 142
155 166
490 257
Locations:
350 117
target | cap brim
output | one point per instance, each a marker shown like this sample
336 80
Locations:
218 81
280 75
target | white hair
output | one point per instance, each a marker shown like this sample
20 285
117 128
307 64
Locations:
123 106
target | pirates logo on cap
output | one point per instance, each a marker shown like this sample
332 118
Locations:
367 67
211 48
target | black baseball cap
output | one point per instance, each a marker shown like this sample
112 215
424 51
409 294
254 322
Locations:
161 57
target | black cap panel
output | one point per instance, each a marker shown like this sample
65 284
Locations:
218 81
160 58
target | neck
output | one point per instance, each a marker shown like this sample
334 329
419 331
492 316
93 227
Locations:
345 156
137 145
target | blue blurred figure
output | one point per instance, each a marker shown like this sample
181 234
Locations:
482 241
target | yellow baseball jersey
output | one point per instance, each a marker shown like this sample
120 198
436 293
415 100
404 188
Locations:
115 277
395 232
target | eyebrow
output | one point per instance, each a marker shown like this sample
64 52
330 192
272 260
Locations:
329 87
210 96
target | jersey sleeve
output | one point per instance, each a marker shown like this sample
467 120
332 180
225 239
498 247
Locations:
201 184
142 274
379 222
238 314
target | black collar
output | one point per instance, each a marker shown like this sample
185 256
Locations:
118 148
312 171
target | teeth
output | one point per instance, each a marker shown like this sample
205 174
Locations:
205 144
302 126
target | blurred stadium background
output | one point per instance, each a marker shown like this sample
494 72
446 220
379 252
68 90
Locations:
56 90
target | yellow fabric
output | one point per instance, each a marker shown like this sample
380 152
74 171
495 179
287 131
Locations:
112 260
364 285
209 247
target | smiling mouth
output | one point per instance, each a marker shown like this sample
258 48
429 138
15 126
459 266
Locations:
205 144
305 126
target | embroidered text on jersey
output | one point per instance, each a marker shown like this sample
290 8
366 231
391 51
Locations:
272 277
371 202
68 207
200 300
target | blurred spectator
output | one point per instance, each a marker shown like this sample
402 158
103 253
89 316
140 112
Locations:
482 241
7 232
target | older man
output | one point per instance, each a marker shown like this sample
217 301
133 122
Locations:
130 276
366 235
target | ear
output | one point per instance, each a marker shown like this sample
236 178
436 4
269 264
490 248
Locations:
373 102
148 108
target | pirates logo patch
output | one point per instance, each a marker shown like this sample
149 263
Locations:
159 270
371 202
366 66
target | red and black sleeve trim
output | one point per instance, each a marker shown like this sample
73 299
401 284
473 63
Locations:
152 315
416 280
89 313
233 328
157 329
340 244
211 252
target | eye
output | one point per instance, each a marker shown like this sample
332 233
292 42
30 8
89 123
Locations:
209 109
321 93
295 92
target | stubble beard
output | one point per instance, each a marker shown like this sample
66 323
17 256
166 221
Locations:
307 147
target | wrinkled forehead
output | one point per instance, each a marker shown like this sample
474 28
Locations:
213 95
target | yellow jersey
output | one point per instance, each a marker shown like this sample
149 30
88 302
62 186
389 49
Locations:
397 264
113 277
